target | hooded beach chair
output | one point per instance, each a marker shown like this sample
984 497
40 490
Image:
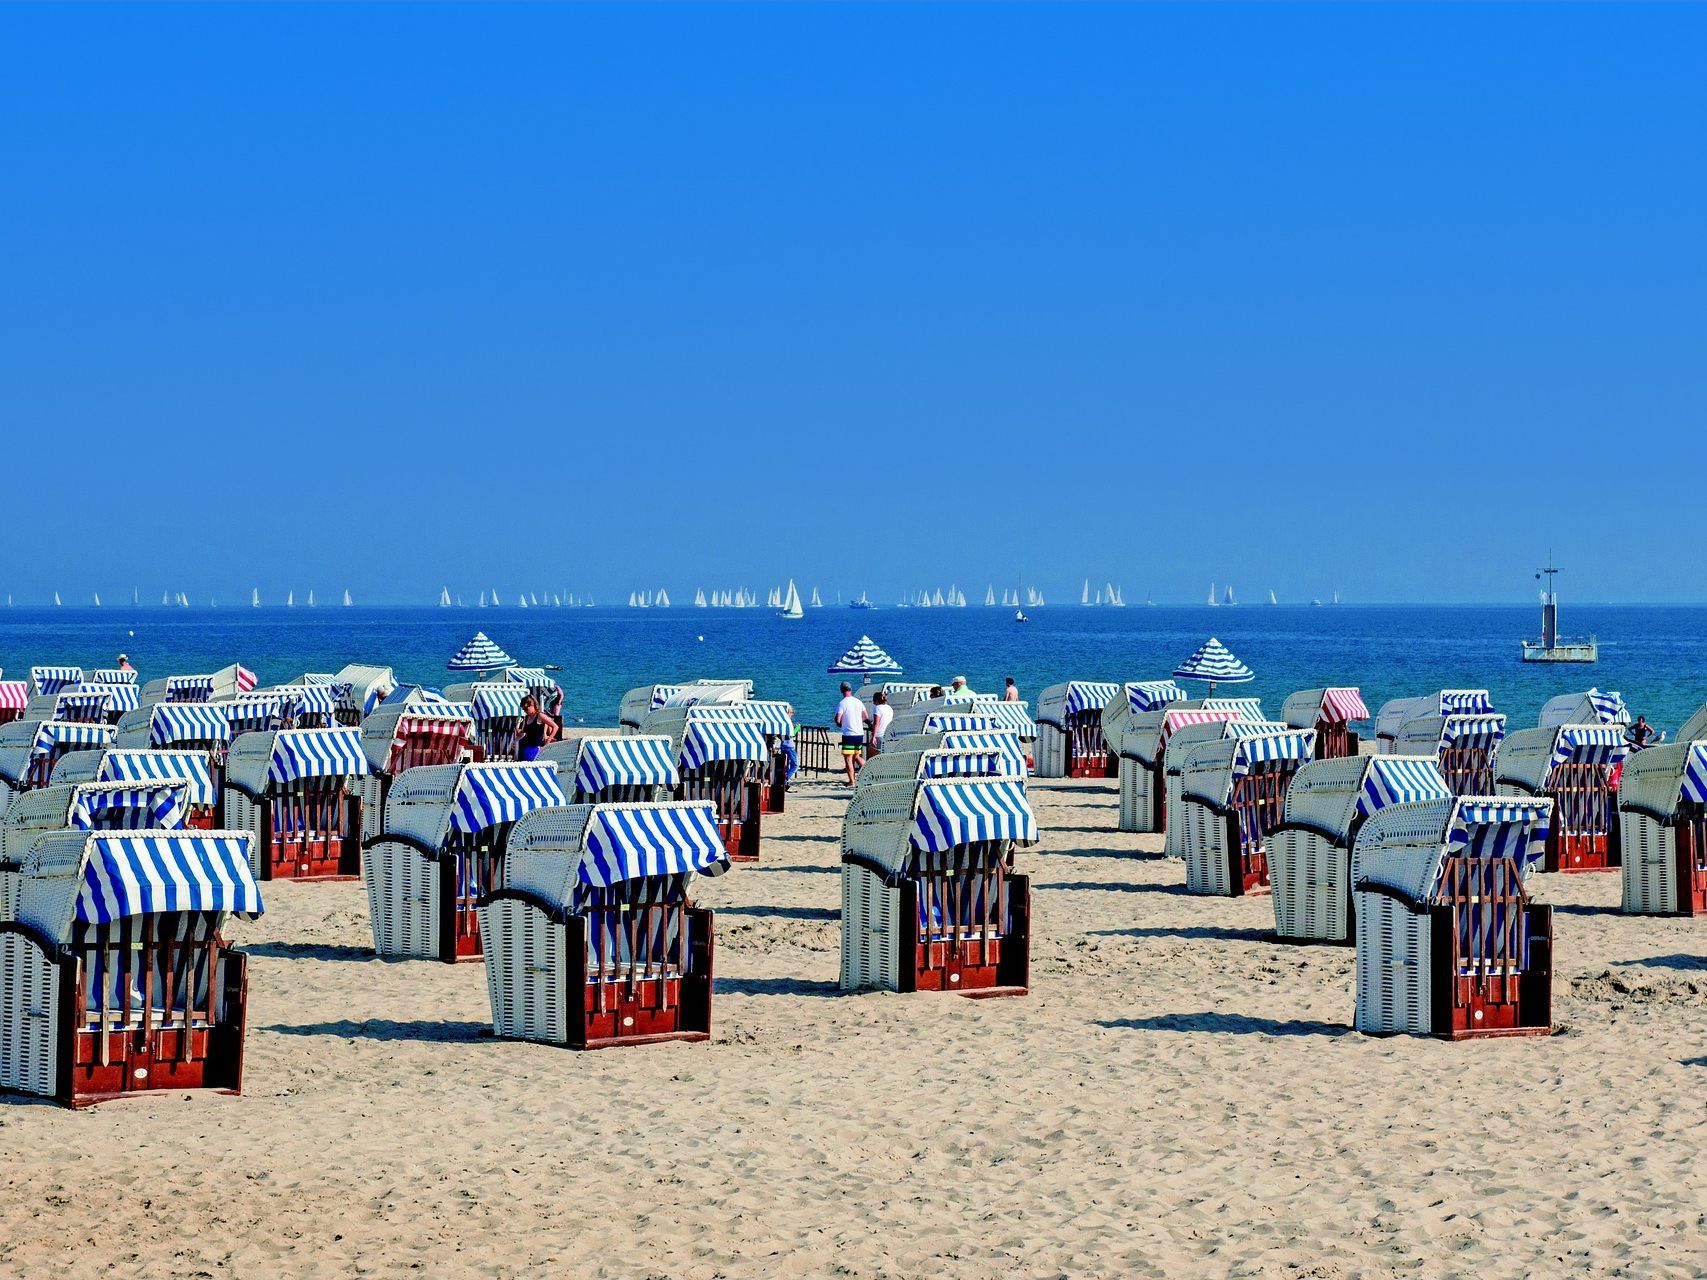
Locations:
605 767
81 806
112 675
930 898
1233 795
1464 744
1010 750
497 712
219 686
537 682
1330 712
775 721
29 750
1447 702
725 761
1662 815
638 703
920 759
1310 867
1139 741
1593 706
47 681
294 791
78 704
396 738
1182 729
1070 741
442 849
14 700
900 694
191 769
594 940
180 726
359 688
1448 942
1571 765
114 976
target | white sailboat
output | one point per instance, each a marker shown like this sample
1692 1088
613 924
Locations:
444 597
135 597
1214 601
97 599
791 602
347 601
816 602
290 599
56 599
1099 598
662 599
1085 592
1115 599
1271 598
937 599
1336 597
699 598
184 601
990 595
165 598
311 597
1227 598
254 597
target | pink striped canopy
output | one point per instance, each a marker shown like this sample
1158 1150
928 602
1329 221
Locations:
1179 719
1344 704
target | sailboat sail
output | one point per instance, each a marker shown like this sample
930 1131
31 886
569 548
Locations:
1213 600
290 599
791 602
1271 596
1085 592
347 601
254 597
663 599
444 597
816 602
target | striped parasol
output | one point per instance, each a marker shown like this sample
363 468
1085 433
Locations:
864 659
479 654
1215 663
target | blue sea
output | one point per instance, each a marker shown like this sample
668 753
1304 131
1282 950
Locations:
1656 656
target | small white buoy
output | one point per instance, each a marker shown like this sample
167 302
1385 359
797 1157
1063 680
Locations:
701 639
131 634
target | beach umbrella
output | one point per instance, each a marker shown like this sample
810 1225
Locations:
1215 663
479 654
865 659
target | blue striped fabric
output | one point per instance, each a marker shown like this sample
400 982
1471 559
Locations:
1472 731
50 680
662 693
316 753
1589 744
629 843
865 658
441 710
174 722
946 763
479 654
1609 706
1501 828
706 740
949 814
630 761
319 677
1007 744
112 675
307 699
1695 773
53 735
189 688
1253 728
1012 716
498 701
83 700
488 794
953 722
147 806
252 711
149 872
775 719
1214 662
1090 695
189 767
532 677
1243 708
1293 744
1465 702
1147 695
1398 780
120 697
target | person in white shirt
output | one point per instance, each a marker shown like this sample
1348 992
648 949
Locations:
881 714
850 719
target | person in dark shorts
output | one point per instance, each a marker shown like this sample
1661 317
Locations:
850 719
535 730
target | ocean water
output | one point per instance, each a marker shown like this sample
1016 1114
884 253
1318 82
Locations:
1656 656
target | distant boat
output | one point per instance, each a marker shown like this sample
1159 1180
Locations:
1271 598
1228 597
135 596
816 602
1316 603
1115 599
522 601
1213 601
699 599
290 599
990 595
97 599
532 599
1149 601
56 598
347 601
1019 616
311 597
184 601
1336 597
662 600
444 598
1085 592
165 598
864 602
791 603
254 597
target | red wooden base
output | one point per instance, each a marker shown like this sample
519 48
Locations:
1100 765
1586 852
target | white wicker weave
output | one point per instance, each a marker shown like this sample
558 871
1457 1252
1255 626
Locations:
1652 784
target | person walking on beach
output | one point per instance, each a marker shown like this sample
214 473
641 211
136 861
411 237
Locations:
850 719
535 730
881 714
1011 693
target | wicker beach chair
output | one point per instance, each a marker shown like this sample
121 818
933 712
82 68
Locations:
29 750
1184 729
1592 706
114 976
120 698
724 760
1233 794
638 703
1448 942
442 849
536 681
14 700
775 720
1140 745
1394 715
1016 762
1330 712
293 791
1662 816
930 899
1070 742
1466 746
497 712
45 681
222 685
1571 765
1310 866
181 726
396 738
191 769
75 704
360 687
914 763
594 940
601 767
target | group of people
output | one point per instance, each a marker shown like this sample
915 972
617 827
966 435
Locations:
860 725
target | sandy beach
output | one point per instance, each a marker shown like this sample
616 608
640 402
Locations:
1177 1097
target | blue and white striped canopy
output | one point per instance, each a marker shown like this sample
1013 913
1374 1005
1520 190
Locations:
188 722
1147 695
1695 773
532 677
48 680
149 872
479 654
1398 780
624 762
1242 708
492 793
1589 744
112 675
1253 728
146 806
1609 706
629 843
954 722
252 710
316 753
1214 662
965 764
1472 731
52 735
775 719
1513 828
949 814
1005 743
1291 744
1009 715
1090 695
866 658
189 688
120 697
85 700
498 701
190 767
662 693
704 741
440 711
299 700
1465 702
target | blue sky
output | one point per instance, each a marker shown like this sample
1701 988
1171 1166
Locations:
1377 298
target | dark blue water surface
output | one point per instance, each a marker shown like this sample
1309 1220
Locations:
1657 656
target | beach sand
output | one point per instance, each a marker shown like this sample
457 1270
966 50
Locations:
1177 1097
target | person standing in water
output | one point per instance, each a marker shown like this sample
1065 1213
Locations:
535 731
1011 693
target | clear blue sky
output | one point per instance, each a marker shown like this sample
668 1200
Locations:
1377 298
